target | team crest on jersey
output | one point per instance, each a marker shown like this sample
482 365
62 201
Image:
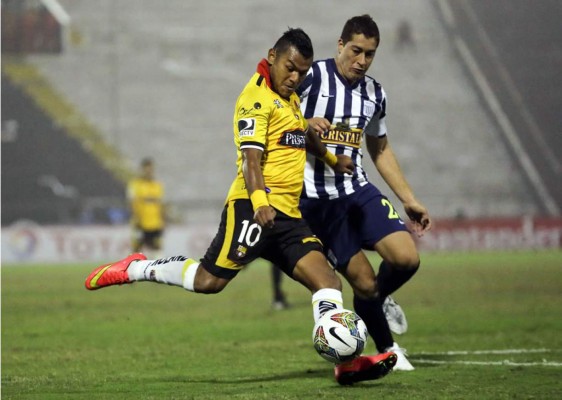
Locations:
293 139
241 251
246 127
277 103
368 108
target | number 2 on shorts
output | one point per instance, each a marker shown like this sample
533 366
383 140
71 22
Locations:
392 214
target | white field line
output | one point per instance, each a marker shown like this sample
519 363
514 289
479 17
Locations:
467 352
505 362
510 363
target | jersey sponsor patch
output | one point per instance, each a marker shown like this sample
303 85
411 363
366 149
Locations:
293 139
246 127
337 135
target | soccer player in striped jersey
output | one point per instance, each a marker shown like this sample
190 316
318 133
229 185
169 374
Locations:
261 217
347 212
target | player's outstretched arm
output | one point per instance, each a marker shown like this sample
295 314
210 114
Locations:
387 165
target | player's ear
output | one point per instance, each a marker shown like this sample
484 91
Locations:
271 54
340 45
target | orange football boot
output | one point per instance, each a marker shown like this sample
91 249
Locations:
365 368
112 274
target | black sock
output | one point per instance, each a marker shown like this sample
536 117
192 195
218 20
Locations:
372 314
390 279
276 276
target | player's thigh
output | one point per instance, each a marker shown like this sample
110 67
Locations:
329 220
299 253
399 250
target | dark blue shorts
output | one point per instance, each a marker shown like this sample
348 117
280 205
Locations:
349 224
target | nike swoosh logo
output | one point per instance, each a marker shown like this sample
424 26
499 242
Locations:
332 331
328 95
94 281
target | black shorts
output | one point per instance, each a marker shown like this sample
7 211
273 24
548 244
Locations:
150 239
240 240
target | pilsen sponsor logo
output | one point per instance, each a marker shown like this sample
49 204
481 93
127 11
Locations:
293 139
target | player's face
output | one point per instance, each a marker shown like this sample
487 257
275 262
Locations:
288 70
355 57
148 171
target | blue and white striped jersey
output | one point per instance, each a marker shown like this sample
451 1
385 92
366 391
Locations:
353 110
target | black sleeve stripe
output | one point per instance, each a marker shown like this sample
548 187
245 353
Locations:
252 144
259 81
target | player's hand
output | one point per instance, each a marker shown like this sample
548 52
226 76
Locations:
265 216
419 216
319 125
345 164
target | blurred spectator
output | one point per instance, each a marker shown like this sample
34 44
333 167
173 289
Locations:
404 36
145 195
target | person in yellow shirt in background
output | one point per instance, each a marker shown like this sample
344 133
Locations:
145 194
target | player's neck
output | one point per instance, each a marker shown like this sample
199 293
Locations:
341 73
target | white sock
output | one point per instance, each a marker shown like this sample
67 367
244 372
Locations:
165 270
189 271
326 300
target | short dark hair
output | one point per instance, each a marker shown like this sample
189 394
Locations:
361 24
295 37
146 161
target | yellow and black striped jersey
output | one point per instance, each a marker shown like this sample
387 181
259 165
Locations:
264 120
146 198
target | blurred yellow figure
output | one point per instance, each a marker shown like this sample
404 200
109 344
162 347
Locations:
145 195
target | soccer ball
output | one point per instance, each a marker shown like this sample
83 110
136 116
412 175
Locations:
339 336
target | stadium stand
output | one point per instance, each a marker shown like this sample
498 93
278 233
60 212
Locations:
161 78
47 176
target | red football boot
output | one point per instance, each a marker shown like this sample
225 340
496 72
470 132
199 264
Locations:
112 274
365 368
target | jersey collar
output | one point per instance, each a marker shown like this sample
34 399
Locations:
341 78
263 70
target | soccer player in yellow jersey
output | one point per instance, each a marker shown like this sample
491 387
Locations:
261 217
145 195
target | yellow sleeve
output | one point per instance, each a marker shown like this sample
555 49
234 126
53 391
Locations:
252 120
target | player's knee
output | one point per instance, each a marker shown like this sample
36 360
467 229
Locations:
207 283
365 289
405 261
364 284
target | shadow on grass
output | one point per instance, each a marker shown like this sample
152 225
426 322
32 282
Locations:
296 375
255 379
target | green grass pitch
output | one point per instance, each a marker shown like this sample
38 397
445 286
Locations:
481 326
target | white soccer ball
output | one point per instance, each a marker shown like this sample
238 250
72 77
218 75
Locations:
339 336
